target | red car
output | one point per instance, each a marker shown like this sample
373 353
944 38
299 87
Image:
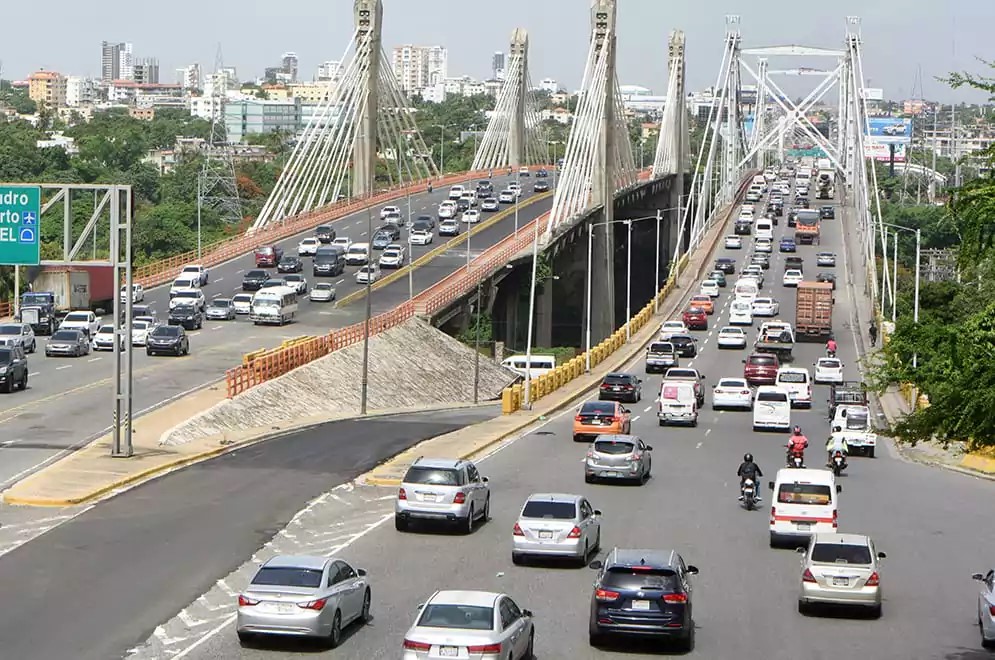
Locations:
761 369
268 256
695 318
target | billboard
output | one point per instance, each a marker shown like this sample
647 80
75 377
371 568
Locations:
882 151
890 129
873 93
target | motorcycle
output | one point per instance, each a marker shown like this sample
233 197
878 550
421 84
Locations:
830 354
796 459
749 494
838 464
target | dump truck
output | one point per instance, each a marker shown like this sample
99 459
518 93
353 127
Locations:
814 311
807 226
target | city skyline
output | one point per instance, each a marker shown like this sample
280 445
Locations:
558 39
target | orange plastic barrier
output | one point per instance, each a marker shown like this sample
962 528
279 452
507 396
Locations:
6 308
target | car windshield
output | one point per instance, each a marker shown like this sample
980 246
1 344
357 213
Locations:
77 317
357 249
841 553
661 347
6 355
432 476
167 331
731 331
242 298
615 447
856 421
322 286
106 330
256 273
288 576
732 382
221 302
546 510
816 494
598 408
65 335
773 397
186 294
34 299
464 617
139 325
10 329
828 363
792 377
681 374
183 309
762 360
617 379
293 278
640 578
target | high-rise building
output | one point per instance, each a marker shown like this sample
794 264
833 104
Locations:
126 63
80 91
290 62
47 88
497 65
189 77
110 61
146 71
418 67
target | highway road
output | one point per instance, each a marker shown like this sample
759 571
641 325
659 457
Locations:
97 585
927 520
68 401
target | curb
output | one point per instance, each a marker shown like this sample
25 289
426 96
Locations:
437 251
255 437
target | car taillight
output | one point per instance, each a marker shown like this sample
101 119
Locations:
484 648
460 498
605 595
574 533
412 645
745 392
246 602
577 418
773 515
616 418
874 580
313 605
807 576
401 495
991 610
518 530
675 598
836 521
604 386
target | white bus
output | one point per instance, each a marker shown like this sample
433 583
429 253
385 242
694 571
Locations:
274 305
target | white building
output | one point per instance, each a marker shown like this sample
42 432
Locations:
417 67
80 91
549 85
328 70
202 107
126 63
56 140
434 93
189 77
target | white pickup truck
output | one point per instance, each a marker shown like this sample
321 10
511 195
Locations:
853 423
88 322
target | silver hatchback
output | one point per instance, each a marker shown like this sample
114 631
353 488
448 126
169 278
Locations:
618 457
841 569
556 525
442 490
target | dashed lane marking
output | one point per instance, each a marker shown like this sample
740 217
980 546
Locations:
96 359
648 408
65 366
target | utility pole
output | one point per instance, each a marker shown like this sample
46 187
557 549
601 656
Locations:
219 189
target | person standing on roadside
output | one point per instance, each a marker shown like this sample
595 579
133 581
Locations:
873 330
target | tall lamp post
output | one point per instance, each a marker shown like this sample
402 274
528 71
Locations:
365 381
442 147
915 307
532 309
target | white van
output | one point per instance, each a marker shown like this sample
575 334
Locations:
456 192
772 408
678 403
746 290
798 382
276 304
741 312
358 254
764 228
804 503
540 364
184 284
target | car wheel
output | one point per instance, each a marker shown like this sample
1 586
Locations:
487 510
870 453
530 649
589 478
803 607
246 639
597 541
582 560
335 635
594 636
364 614
517 559
8 387
400 524
24 381
876 612
686 643
467 523
148 352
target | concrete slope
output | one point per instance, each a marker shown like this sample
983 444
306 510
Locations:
411 365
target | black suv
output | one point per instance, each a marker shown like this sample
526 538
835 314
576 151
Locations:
643 593
426 218
726 265
685 345
189 316
324 234
290 265
168 339
743 228
13 369
827 212
254 280
621 387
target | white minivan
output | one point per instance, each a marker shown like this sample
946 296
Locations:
772 408
764 229
276 304
539 365
741 312
678 403
798 382
804 503
746 290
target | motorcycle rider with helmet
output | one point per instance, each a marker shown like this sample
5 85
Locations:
831 347
836 443
797 445
749 470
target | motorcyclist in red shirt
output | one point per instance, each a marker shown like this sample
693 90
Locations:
831 348
797 444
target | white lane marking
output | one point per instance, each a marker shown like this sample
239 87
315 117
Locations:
362 233
698 446
217 327
231 619
707 431
34 373
340 281
635 418
96 359
215 295
648 408
239 272
193 334
65 366
220 279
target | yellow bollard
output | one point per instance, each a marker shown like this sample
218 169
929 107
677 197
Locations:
507 401
516 397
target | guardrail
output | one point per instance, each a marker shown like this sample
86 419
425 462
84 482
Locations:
6 308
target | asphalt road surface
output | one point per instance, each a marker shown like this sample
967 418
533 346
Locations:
932 523
97 585
68 401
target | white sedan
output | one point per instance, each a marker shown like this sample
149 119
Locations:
104 339
732 338
322 292
471 217
140 332
829 370
671 328
766 307
307 247
343 242
389 210
710 288
792 277
242 302
368 274
297 282
734 243
732 393
420 237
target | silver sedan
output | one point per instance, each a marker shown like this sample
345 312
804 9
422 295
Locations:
303 596
618 457
322 292
840 569
470 624
986 608
556 525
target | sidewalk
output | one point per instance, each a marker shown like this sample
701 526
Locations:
892 404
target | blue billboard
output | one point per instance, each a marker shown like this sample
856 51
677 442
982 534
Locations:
890 130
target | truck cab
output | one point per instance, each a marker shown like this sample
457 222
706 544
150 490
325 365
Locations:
37 309
660 356
853 423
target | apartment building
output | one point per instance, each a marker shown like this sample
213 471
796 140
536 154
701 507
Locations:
418 67
47 88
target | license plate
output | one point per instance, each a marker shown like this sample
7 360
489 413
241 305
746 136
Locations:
616 389
428 498
449 651
611 474
282 608
803 525
640 604
545 535
841 582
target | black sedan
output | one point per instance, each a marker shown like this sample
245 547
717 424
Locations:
540 187
726 265
254 280
685 345
290 265
621 387
168 339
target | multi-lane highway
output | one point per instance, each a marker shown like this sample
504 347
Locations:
928 521
68 401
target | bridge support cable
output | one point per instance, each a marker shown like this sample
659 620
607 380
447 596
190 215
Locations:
362 117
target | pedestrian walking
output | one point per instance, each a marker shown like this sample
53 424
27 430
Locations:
873 330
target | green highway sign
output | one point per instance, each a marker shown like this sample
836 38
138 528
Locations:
20 225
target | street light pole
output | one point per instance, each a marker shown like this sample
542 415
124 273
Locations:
628 282
915 312
656 281
590 252
476 350
894 280
365 382
532 304
200 202
442 149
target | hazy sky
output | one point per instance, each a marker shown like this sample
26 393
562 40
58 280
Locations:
899 36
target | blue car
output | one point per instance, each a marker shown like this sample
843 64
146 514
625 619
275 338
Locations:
787 245
642 593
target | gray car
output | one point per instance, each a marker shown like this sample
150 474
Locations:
840 569
303 596
442 490
825 259
18 334
68 342
220 309
556 525
618 457
986 608
470 624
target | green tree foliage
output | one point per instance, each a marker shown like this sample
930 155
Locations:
456 114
